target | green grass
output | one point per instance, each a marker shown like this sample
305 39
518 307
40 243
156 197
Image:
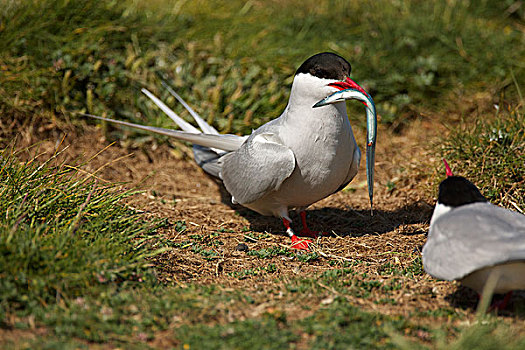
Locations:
234 61
483 335
491 154
268 269
415 268
63 235
75 260
346 281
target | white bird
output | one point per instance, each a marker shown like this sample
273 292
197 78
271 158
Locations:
295 160
470 239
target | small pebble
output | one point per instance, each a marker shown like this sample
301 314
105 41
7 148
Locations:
242 247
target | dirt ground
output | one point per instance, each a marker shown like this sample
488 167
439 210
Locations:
177 189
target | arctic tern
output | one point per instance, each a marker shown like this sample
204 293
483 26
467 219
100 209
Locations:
470 239
293 161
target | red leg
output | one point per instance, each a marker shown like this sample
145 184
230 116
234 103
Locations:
502 304
306 231
296 242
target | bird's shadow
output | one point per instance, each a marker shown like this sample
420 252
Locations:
466 299
350 222
342 222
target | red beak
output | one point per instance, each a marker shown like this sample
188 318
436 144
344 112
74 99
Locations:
448 171
348 84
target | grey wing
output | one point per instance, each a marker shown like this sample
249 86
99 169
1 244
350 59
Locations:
472 237
258 167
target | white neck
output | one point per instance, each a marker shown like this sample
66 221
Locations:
439 210
308 90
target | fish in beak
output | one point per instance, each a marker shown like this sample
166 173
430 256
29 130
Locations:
350 90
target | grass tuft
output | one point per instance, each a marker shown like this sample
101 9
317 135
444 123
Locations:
234 62
62 235
74 259
491 154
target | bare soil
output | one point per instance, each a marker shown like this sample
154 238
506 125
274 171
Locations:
177 189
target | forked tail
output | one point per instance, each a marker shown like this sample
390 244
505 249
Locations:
208 144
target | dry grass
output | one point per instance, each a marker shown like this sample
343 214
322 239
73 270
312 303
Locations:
374 248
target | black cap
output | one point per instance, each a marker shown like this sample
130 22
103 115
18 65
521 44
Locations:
456 190
326 65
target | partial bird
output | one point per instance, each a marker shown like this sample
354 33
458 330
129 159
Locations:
293 161
470 239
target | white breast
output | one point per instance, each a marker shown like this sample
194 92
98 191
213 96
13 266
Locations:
327 156
508 277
